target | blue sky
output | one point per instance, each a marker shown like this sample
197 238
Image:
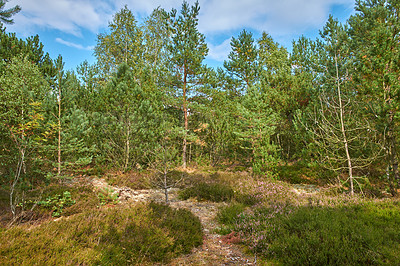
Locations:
70 27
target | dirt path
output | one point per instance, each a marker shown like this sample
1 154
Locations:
216 249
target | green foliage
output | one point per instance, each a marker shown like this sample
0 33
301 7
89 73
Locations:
32 48
188 48
107 196
123 235
360 233
6 14
242 62
128 125
57 203
22 126
375 43
122 45
182 224
229 215
305 173
212 192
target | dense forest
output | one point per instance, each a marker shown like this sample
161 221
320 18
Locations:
329 108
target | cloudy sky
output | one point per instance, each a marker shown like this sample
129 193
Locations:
70 27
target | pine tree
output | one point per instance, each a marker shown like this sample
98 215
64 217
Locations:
188 50
374 30
243 60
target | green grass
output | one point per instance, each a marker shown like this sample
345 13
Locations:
118 236
366 233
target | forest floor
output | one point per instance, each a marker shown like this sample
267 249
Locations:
116 191
216 249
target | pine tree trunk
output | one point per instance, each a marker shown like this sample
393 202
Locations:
185 119
59 131
166 187
393 160
127 147
392 154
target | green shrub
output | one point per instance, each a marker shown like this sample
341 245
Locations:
358 234
131 235
182 224
131 179
302 173
212 192
57 203
107 196
246 199
229 215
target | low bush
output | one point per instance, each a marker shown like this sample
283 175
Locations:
303 173
246 199
137 234
182 224
228 217
212 192
107 196
57 203
358 234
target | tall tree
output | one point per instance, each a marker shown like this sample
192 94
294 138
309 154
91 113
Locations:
128 127
276 81
22 92
188 50
156 42
375 32
11 46
59 83
342 137
123 44
243 60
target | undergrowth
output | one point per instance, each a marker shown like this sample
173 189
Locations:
137 234
215 192
363 233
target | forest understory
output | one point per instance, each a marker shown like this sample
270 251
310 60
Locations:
233 218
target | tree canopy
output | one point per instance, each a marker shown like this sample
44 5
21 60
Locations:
332 101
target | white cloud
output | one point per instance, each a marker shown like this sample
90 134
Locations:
276 17
69 16
219 52
74 45
143 6
282 19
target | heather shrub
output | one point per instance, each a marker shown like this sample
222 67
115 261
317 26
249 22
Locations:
228 217
246 199
265 191
212 192
363 233
182 224
137 234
